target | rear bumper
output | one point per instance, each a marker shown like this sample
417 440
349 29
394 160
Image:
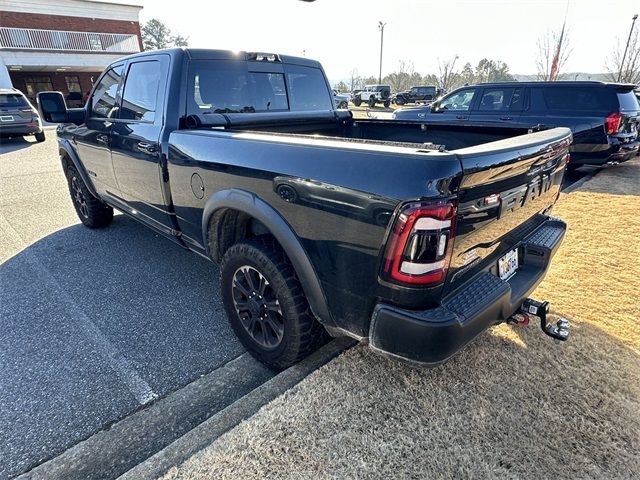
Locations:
20 129
617 152
432 336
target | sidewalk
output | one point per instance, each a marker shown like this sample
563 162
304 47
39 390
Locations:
514 404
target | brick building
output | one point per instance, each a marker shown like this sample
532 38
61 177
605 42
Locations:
63 44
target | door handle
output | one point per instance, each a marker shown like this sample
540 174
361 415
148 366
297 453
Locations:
506 118
147 147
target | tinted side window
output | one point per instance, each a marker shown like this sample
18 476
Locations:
495 99
578 98
458 101
628 102
218 86
307 89
103 101
140 91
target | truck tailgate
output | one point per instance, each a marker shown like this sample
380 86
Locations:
506 189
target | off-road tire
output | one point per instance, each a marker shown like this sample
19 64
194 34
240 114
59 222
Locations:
40 137
400 101
387 103
357 102
302 333
91 211
372 102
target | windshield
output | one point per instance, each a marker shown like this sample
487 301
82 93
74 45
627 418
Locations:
13 100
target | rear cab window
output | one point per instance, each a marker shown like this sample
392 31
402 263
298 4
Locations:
140 92
224 86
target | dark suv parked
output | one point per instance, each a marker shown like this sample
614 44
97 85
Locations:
18 117
426 93
604 117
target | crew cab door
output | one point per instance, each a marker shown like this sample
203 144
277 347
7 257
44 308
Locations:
135 139
499 106
92 140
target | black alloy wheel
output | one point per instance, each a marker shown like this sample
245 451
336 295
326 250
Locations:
257 307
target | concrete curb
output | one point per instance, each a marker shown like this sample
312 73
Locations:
132 440
207 432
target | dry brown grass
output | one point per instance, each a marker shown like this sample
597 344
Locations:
514 404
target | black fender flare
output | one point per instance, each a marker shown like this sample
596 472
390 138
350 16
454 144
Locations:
257 208
66 149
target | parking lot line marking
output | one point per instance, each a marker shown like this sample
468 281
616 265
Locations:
122 367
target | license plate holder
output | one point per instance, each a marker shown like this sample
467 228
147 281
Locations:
508 264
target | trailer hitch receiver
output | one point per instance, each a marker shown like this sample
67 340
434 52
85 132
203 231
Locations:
530 307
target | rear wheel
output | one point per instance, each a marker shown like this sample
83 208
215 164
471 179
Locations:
387 103
372 102
265 304
40 137
91 211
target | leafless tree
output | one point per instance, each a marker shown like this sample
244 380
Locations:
402 77
631 67
547 49
448 75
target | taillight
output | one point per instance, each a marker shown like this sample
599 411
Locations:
420 245
612 123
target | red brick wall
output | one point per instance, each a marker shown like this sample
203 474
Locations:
57 79
78 24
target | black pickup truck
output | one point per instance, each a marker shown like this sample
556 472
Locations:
415 240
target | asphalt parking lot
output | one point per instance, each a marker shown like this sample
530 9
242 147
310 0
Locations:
95 324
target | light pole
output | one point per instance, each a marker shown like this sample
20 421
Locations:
624 55
381 28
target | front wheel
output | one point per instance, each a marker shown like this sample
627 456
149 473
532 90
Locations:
265 304
91 211
40 137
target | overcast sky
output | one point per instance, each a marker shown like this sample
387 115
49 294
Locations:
344 35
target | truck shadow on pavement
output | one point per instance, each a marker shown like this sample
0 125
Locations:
8 145
96 323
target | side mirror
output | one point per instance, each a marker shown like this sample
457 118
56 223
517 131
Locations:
53 109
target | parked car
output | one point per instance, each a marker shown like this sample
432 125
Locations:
426 94
320 222
372 94
341 99
18 118
604 117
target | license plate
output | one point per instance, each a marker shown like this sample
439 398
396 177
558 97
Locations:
6 118
508 264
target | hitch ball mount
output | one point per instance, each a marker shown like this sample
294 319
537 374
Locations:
529 308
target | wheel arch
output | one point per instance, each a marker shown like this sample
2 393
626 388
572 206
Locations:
68 157
254 207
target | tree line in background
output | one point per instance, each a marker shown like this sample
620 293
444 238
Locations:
448 76
553 51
